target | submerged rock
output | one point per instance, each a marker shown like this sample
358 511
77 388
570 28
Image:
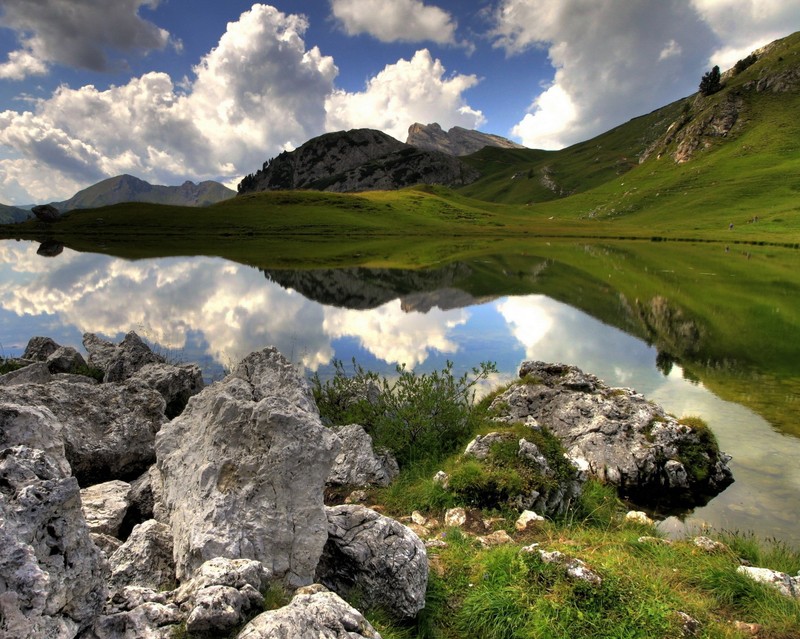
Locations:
259 457
624 439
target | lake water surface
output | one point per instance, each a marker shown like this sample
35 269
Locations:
214 312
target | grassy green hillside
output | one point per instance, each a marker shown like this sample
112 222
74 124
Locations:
687 171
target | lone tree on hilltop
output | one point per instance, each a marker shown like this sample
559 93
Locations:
711 82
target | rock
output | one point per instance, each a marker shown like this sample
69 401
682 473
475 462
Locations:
46 213
65 360
317 613
108 429
122 361
259 457
481 446
52 573
34 427
786 585
219 609
709 545
175 383
689 625
356 497
469 520
656 541
145 559
380 557
497 538
105 505
37 373
574 568
106 543
442 478
236 573
638 517
39 349
752 629
527 519
150 620
357 464
624 439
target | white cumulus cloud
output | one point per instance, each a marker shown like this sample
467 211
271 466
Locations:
259 91
395 20
406 92
745 25
88 34
612 60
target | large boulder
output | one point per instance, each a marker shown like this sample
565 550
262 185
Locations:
258 457
313 612
223 594
108 429
384 560
52 573
623 438
66 359
40 348
120 361
358 464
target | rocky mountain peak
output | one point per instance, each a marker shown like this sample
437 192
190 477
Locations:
455 141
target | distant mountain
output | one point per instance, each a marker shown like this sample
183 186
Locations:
13 214
127 188
455 141
357 160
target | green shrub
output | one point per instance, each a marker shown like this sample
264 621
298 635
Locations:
416 416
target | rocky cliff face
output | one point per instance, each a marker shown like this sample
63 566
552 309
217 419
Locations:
357 160
455 141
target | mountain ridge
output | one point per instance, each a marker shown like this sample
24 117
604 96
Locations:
456 141
129 188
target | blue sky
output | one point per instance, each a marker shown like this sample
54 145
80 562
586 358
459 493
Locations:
171 90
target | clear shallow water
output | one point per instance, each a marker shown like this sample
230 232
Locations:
214 312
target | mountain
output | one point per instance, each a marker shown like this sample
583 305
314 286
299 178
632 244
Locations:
357 160
127 188
456 141
13 214
736 146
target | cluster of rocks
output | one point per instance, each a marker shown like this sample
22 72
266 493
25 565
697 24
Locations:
148 501
618 436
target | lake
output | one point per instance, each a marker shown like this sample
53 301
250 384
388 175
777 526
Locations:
702 330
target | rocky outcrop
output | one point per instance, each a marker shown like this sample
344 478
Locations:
52 573
549 490
384 560
456 141
357 160
624 439
313 612
119 361
260 456
358 464
108 430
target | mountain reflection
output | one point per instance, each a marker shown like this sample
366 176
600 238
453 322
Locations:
214 312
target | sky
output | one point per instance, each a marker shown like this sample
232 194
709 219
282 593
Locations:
175 90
